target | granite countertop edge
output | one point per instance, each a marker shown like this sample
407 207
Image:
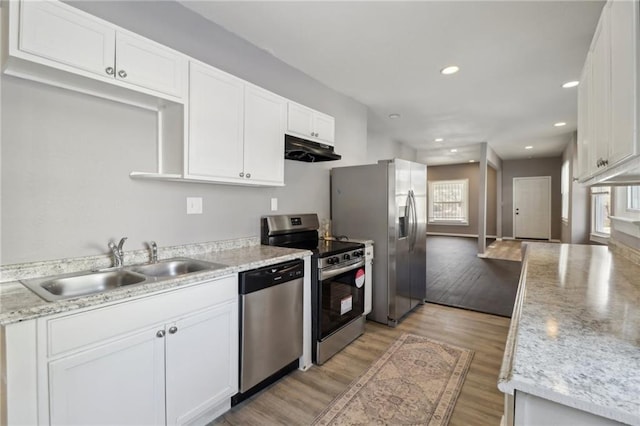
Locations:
21 304
510 381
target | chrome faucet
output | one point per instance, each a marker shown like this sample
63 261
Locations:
154 251
118 253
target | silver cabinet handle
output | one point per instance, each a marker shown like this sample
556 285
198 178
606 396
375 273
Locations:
173 329
241 174
109 70
248 175
122 73
160 333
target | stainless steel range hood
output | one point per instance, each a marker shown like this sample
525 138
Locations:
304 150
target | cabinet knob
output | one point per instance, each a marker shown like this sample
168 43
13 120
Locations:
122 74
241 174
109 70
248 175
173 329
160 333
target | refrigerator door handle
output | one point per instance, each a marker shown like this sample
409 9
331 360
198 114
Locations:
408 219
414 218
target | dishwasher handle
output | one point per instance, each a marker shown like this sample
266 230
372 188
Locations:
268 276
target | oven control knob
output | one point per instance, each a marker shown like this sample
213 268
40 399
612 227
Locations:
346 257
358 253
333 260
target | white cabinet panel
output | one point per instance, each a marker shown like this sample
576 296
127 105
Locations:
310 124
121 382
49 36
324 127
197 379
63 34
585 165
264 118
624 51
600 83
147 64
236 130
216 124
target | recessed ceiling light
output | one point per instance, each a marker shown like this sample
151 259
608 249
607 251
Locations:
570 84
394 116
454 150
472 161
452 69
439 139
560 124
528 147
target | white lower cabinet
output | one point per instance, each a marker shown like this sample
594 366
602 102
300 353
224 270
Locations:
121 382
170 358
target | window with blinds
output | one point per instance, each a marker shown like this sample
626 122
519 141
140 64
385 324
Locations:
633 198
600 211
448 202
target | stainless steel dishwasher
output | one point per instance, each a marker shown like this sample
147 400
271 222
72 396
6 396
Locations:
270 325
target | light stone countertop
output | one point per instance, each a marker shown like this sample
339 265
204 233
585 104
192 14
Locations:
18 303
575 333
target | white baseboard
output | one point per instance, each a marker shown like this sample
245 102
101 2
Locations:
447 234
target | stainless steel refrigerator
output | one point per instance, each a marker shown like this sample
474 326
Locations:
387 203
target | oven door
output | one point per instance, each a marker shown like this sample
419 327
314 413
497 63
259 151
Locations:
341 294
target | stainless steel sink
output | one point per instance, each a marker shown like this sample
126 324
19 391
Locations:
85 283
82 284
175 267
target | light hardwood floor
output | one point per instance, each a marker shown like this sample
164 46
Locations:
299 397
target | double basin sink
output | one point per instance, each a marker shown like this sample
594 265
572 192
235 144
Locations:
85 283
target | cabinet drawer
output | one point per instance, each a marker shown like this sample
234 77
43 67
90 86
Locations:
77 330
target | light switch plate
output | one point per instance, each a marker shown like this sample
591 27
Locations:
194 205
274 204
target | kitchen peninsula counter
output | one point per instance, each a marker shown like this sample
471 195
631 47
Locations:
18 303
574 337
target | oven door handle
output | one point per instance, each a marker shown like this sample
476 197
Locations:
324 275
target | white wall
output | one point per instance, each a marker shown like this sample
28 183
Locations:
66 156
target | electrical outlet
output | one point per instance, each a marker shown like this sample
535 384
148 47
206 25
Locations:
194 205
274 204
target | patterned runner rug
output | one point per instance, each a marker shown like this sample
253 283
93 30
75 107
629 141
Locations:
417 381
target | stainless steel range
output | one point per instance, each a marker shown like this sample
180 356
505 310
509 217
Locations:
337 281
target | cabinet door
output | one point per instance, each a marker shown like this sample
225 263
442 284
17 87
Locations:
300 120
202 362
264 122
147 64
121 382
584 136
67 36
216 109
624 51
600 78
324 126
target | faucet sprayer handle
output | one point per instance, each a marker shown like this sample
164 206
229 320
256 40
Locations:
154 251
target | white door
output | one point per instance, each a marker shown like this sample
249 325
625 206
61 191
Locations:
147 64
532 207
264 121
202 362
118 383
63 34
216 114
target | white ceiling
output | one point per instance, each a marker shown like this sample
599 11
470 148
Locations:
513 58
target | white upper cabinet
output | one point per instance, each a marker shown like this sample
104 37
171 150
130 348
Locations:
56 35
236 130
310 124
66 35
608 95
216 124
264 118
624 80
149 65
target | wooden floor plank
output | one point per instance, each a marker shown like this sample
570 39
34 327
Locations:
298 398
